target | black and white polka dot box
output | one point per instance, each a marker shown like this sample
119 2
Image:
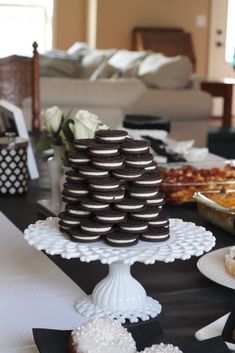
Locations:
13 165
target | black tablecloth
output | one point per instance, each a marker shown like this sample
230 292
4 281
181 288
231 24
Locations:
190 300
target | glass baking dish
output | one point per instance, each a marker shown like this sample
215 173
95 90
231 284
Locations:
182 181
212 207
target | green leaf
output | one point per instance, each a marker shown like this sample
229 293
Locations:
44 143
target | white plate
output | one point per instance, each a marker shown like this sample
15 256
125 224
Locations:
214 329
212 266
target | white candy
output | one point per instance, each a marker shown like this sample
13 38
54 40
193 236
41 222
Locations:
103 335
162 348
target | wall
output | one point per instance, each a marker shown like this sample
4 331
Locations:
69 22
116 18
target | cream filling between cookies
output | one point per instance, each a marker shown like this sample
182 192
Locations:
94 206
109 198
79 212
101 173
155 202
103 218
120 241
127 176
145 215
79 192
70 222
157 222
112 138
129 207
146 194
138 162
103 164
148 182
95 230
104 151
135 149
155 236
81 160
134 228
86 237
96 186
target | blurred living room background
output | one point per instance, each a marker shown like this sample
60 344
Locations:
109 24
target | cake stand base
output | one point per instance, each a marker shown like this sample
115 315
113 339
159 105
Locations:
119 296
150 309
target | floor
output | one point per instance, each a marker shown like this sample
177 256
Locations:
221 140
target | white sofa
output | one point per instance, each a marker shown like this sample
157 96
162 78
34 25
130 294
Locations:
188 108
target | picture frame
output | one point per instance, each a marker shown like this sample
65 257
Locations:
12 120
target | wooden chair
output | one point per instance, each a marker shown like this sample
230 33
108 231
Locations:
170 41
19 79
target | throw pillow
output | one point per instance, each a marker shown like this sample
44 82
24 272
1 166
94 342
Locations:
77 49
127 62
92 59
157 70
59 67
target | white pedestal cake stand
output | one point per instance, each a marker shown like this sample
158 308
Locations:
119 295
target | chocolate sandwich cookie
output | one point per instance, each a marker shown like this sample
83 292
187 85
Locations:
144 193
110 163
67 197
78 189
76 210
68 219
138 160
103 149
135 146
111 136
78 235
91 226
156 234
72 176
108 196
157 200
118 238
162 220
78 158
128 173
134 226
82 144
91 205
149 213
149 179
151 167
129 204
104 184
64 227
110 216
90 172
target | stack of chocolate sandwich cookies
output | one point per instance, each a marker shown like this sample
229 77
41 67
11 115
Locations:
112 192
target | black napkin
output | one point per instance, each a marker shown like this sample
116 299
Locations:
212 345
145 334
229 327
56 341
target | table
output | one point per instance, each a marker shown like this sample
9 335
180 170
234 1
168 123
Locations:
224 89
189 299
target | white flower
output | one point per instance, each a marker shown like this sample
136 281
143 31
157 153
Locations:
85 124
51 118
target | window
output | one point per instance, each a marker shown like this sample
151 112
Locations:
22 22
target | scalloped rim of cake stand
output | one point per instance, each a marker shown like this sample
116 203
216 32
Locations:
186 240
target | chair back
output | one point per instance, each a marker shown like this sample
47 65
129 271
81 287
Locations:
170 41
19 79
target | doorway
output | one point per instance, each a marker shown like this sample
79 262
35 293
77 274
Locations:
222 44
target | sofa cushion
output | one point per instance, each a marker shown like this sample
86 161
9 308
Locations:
127 62
157 70
104 92
59 67
92 59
